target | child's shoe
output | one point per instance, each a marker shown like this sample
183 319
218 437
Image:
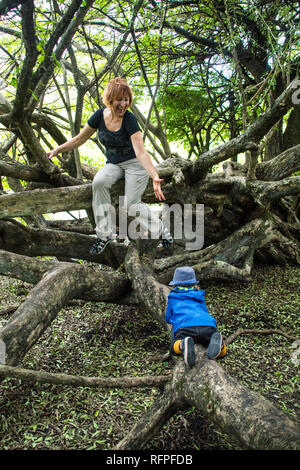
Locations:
188 351
223 351
177 347
215 345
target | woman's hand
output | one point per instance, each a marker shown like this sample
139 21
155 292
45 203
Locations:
73 143
157 189
52 154
143 156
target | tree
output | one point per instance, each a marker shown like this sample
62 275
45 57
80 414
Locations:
251 210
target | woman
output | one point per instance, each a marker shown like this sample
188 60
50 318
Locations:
127 157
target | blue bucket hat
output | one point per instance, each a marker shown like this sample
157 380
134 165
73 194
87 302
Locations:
184 276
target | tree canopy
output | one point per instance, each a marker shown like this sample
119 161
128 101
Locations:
219 63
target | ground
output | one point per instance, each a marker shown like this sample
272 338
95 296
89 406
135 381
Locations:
97 339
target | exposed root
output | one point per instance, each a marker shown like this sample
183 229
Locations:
33 376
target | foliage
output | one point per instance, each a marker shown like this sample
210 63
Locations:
193 117
187 52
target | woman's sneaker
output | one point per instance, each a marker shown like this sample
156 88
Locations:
188 350
101 244
215 345
167 239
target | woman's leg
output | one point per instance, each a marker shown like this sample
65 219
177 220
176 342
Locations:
104 213
136 181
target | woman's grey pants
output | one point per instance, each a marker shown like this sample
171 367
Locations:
136 180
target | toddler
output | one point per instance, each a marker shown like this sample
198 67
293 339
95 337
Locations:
191 322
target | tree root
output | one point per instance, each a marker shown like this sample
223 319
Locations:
57 283
248 418
33 376
254 331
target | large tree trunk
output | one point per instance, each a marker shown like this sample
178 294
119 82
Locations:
243 220
57 283
249 419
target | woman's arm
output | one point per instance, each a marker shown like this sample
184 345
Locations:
75 142
143 156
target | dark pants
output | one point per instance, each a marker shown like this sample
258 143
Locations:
200 334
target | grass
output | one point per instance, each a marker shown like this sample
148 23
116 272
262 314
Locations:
106 340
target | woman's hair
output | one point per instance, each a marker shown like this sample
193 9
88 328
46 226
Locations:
117 88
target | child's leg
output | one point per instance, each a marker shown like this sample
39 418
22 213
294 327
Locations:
183 343
212 339
216 347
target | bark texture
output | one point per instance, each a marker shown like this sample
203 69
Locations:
57 283
248 418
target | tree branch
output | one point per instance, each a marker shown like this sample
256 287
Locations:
247 331
7 5
29 241
64 30
46 201
246 141
247 417
23 172
152 421
151 294
281 166
243 414
25 85
57 284
265 192
111 60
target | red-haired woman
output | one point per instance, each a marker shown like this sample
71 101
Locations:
120 134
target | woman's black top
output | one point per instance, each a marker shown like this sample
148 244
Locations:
117 144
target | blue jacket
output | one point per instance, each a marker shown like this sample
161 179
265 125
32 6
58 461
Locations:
188 308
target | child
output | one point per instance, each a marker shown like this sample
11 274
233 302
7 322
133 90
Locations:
188 314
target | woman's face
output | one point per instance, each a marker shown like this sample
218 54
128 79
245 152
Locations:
120 105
